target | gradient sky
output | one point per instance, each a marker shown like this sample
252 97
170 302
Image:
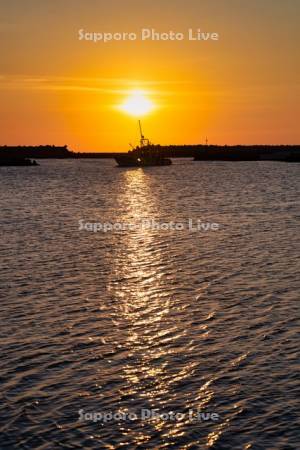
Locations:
55 89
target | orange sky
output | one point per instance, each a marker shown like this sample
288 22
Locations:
55 89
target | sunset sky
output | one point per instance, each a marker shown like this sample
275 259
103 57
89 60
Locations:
56 89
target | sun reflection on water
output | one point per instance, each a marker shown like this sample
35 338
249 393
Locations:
151 333
142 304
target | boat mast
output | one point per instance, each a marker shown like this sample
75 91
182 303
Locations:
141 133
143 140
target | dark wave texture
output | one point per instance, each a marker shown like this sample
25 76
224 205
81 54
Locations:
167 320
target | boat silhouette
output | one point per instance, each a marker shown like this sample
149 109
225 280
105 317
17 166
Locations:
146 154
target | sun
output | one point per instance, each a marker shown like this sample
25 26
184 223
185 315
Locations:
137 104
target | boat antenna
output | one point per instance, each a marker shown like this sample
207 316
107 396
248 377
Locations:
206 141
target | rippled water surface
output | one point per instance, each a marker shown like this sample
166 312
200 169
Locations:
147 318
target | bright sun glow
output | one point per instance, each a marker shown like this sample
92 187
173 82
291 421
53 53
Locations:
137 104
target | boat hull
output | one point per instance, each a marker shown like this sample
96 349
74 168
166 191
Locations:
141 161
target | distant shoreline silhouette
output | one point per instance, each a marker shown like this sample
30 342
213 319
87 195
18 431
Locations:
288 153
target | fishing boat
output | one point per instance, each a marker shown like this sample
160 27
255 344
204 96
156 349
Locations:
144 155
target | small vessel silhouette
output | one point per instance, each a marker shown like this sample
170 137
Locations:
146 154
7 161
